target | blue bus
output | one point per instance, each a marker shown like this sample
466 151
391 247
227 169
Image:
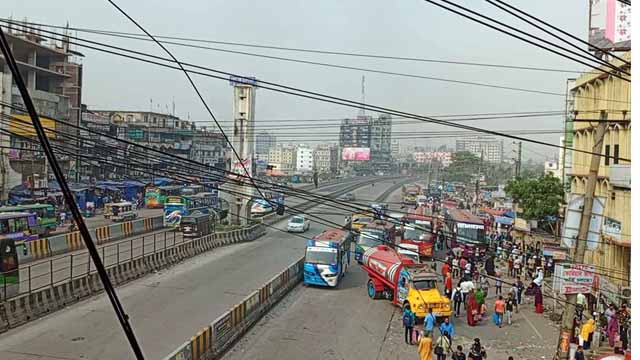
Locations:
327 257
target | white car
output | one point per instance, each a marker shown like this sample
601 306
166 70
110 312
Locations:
298 223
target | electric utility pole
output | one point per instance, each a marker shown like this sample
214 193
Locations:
581 241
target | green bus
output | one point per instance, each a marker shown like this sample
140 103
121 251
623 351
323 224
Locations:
45 213
156 196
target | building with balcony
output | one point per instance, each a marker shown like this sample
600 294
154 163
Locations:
322 158
599 96
303 159
488 148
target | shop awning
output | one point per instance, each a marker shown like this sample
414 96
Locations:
503 220
521 225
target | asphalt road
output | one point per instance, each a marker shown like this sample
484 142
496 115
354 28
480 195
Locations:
42 273
168 307
343 323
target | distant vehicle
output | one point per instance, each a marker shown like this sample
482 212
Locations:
409 251
380 209
327 257
347 197
360 220
376 233
466 231
298 223
121 211
196 225
261 207
404 283
45 216
156 196
418 231
421 200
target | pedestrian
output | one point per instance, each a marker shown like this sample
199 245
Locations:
538 301
624 320
447 327
446 268
610 311
429 322
484 285
531 264
424 347
579 353
612 330
457 300
459 354
473 310
455 267
448 285
467 288
510 304
510 261
477 351
408 321
517 264
520 287
499 309
498 283
586 333
468 269
443 346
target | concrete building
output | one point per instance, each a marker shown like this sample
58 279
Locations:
489 148
356 132
322 158
443 157
303 159
395 148
334 159
281 157
264 142
380 142
53 76
614 174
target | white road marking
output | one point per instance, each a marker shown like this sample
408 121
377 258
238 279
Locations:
531 324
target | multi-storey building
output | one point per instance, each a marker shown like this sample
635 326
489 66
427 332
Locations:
602 97
490 149
264 142
54 78
380 131
356 133
322 158
303 159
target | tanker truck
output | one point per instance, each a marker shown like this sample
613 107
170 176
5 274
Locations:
403 282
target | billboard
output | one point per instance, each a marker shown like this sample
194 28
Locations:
571 278
572 221
609 25
21 125
356 154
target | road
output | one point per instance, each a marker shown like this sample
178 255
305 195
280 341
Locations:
167 307
343 323
42 273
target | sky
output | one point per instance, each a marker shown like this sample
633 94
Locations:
398 28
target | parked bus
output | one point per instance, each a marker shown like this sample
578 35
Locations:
375 233
418 230
327 257
196 225
45 215
16 226
156 196
121 211
465 230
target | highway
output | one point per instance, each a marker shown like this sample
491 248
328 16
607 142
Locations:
343 323
42 273
167 307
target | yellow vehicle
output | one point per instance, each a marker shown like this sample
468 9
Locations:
405 283
359 220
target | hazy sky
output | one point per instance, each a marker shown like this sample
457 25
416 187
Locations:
398 28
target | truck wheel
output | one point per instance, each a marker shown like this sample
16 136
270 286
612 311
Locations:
371 290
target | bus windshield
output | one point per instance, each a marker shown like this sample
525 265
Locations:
470 233
370 238
424 284
326 256
414 234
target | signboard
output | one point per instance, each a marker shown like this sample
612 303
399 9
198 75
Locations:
573 278
612 228
242 80
21 125
572 221
356 154
237 168
609 25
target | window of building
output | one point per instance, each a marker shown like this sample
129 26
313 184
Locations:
607 150
616 153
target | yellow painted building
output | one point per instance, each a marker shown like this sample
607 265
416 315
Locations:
595 93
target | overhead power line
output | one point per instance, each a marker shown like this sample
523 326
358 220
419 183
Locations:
529 41
317 96
122 34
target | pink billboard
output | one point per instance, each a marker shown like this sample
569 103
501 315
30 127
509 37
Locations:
356 154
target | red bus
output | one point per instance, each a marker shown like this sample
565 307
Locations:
419 231
465 230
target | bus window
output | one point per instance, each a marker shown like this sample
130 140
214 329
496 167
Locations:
18 224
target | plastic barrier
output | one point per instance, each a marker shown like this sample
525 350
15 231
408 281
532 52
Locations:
227 328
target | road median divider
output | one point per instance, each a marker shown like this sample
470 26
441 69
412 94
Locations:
212 341
26 307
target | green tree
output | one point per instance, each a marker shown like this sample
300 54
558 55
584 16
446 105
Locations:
462 167
539 197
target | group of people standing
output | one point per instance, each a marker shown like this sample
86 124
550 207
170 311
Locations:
613 323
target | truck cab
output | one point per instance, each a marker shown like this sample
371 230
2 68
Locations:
418 290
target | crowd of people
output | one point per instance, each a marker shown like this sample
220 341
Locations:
613 324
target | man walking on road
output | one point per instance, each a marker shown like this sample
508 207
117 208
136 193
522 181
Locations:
409 321
459 354
510 304
467 288
499 308
457 300
447 327
429 322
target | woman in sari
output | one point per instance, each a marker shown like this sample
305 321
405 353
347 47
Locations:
472 310
537 295
425 345
612 329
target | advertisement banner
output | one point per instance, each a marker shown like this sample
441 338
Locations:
609 25
573 278
356 154
572 221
